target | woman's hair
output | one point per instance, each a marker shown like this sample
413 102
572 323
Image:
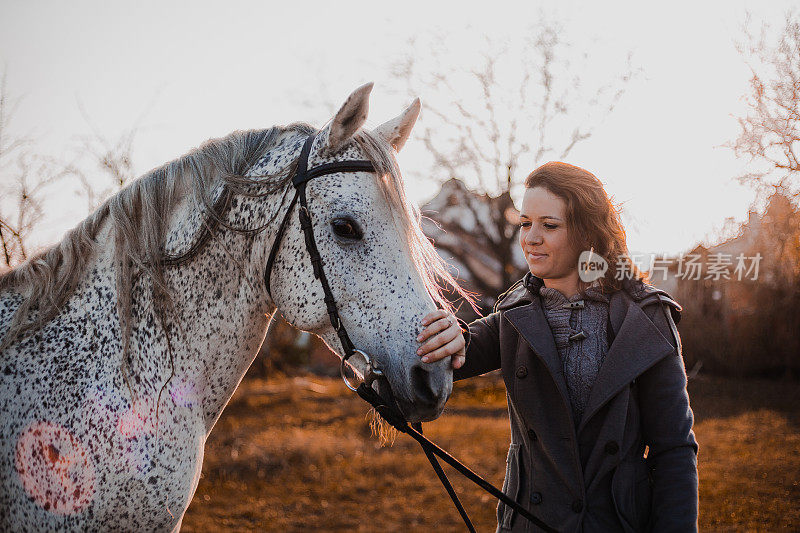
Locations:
593 221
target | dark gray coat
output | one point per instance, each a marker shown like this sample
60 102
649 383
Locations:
595 478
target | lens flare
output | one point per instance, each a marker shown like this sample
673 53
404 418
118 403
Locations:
183 393
55 468
139 420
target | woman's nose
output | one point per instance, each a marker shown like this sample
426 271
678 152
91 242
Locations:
533 238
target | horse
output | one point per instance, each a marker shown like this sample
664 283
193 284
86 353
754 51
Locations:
121 345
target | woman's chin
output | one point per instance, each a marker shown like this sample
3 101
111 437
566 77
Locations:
537 268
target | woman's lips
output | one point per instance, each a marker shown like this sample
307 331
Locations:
534 256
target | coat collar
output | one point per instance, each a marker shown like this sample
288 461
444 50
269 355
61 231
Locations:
637 345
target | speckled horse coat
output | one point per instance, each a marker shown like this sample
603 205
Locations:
86 445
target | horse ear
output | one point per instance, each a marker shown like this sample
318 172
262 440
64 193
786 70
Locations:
349 118
397 130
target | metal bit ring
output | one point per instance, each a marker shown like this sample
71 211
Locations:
370 373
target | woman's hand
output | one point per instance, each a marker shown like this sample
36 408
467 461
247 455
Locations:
440 338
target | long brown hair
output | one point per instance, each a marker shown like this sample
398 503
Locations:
593 220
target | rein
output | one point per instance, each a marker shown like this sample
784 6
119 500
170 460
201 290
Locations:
388 412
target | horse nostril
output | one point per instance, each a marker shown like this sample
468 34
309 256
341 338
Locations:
423 388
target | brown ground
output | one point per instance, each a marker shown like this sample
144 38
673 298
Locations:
295 454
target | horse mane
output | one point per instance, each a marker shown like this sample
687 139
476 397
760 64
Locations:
138 219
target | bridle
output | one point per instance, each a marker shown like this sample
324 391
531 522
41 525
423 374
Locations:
302 176
386 409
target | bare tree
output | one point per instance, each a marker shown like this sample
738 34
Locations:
466 229
114 159
769 134
23 179
769 138
25 176
521 103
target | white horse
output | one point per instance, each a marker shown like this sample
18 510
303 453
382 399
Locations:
122 344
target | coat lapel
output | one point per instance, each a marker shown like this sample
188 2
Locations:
529 320
637 346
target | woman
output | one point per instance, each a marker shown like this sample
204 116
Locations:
601 428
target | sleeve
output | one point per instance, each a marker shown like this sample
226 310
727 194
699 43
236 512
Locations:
667 421
483 347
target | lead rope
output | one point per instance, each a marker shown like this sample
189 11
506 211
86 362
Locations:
398 421
445 481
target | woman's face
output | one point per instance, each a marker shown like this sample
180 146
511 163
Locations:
543 236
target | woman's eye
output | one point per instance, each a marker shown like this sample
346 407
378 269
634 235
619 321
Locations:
550 226
346 228
524 224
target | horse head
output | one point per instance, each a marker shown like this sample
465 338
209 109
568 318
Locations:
381 269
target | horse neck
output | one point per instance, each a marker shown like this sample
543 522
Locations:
216 324
223 312
221 306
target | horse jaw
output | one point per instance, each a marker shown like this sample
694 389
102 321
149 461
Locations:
350 117
397 130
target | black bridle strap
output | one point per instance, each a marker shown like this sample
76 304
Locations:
331 168
445 482
316 261
273 253
301 178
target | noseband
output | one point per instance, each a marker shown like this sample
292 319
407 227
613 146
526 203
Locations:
302 176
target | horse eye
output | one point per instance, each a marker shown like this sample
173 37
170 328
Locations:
346 228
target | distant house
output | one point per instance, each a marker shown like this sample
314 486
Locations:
736 293
477 234
721 272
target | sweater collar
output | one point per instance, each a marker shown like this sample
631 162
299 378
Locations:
553 298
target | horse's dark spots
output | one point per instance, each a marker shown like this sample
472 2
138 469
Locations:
7 370
52 453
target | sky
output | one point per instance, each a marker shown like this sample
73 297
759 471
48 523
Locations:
183 72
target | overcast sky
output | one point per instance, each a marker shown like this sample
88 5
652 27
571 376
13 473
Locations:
188 71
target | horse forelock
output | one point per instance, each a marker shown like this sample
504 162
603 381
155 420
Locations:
433 270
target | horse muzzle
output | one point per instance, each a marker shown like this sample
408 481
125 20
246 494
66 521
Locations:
424 391
419 392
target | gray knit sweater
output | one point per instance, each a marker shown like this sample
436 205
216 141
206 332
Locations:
579 326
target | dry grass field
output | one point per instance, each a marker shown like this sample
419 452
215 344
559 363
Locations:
296 454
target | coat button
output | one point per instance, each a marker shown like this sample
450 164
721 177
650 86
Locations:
612 447
522 371
532 435
577 506
579 336
536 498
